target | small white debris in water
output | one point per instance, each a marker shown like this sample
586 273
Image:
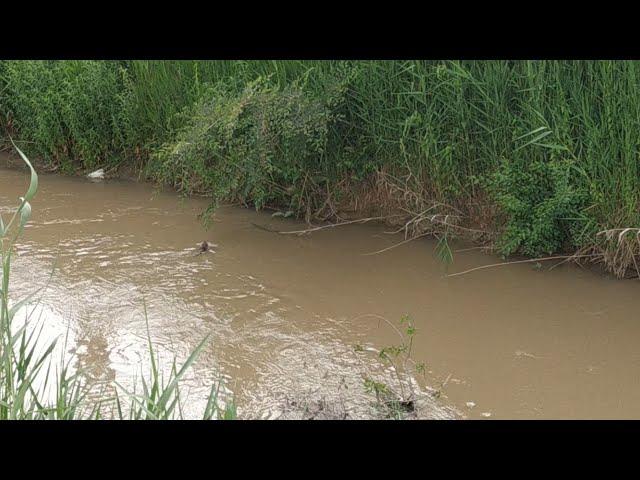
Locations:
485 414
471 404
520 353
97 175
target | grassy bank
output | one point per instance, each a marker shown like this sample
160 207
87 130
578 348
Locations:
535 157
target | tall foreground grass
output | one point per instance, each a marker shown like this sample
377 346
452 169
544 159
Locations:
543 155
36 383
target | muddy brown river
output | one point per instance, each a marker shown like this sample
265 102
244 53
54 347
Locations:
284 311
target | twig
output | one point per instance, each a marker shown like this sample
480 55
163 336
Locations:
469 249
314 229
398 244
114 167
379 317
457 226
568 257
262 227
560 263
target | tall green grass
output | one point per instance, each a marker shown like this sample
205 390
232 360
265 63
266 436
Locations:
39 382
72 113
542 153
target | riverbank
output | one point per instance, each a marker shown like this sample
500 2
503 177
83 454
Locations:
537 158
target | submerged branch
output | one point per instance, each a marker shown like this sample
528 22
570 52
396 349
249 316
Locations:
398 244
314 229
566 257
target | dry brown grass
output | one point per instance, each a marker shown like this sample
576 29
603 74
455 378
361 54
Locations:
618 251
408 205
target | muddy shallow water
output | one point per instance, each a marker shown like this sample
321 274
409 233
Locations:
284 311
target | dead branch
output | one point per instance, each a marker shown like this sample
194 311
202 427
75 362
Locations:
398 244
315 229
543 259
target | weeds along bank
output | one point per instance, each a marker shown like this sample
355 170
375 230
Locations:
537 157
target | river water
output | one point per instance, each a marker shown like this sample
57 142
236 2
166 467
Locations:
284 312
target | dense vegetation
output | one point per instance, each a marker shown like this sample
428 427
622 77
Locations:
541 155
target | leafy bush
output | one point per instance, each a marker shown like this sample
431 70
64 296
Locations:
263 145
541 205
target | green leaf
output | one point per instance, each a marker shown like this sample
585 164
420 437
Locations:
230 412
25 214
532 132
174 382
534 140
33 185
551 146
14 309
443 251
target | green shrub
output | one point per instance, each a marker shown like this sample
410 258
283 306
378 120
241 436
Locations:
263 145
541 206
